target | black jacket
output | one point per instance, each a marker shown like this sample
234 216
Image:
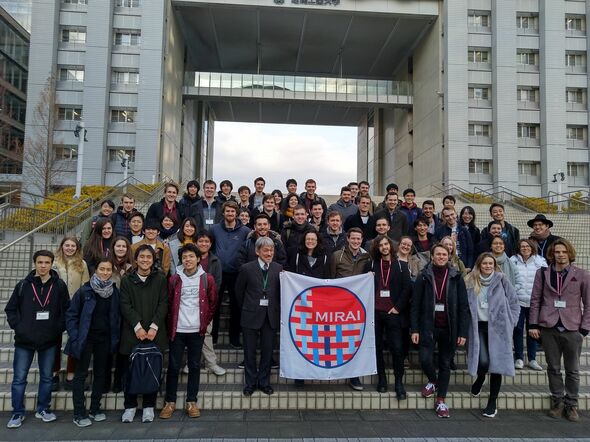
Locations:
22 307
543 247
200 211
512 237
292 235
400 288
185 204
398 223
356 221
247 252
156 211
330 245
423 300
300 264
276 220
418 245
307 203
121 221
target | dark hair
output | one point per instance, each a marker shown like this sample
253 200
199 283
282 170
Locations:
189 248
389 194
344 189
319 249
391 186
277 192
364 182
170 217
109 202
45 253
205 234
470 210
374 250
193 183
353 183
128 196
386 218
354 230
310 181
495 205
261 216
242 188
290 181
137 214
228 183
492 222
94 246
421 219
438 246
409 190
334 213
299 207
181 236
571 251
450 198
104 259
143 247
429 202
317 203
268 196
501 239
288 198
209 182
259 179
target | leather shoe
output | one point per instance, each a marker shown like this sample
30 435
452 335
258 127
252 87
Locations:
267 390
248 391
381 388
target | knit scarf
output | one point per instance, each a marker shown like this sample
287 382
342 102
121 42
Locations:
541 237
104 289
486 281
288 212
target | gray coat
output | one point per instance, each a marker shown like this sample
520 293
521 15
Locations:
504 310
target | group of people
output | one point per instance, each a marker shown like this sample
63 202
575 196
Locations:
440 284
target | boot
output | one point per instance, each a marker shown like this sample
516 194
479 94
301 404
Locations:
557 407
400 391
382 383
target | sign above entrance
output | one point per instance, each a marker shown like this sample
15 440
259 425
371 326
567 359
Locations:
310 2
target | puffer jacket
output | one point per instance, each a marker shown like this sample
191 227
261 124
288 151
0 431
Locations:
527 271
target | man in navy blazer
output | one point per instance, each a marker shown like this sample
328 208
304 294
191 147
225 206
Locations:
259 298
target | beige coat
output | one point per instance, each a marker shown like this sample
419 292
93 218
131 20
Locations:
73 279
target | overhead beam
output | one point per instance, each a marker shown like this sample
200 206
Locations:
216 39
301 38
384 45
342 44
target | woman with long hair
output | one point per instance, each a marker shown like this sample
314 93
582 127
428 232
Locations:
71 267
498 249
494 312
449 243
122 259
467 219
291 201
405 257
187 234
311 259
100 243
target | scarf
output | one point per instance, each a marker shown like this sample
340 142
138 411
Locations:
104 289
288 212
542 237
485 282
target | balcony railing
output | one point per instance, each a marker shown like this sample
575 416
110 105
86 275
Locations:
528 142
527 105
577 144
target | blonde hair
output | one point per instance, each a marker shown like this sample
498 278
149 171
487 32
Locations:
453 257
472 280
77 260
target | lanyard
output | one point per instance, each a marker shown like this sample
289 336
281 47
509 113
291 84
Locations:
385 281
46 299
439 293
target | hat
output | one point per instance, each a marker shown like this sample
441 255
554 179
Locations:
542 218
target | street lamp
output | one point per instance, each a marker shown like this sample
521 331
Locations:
81 140
558 178
125 165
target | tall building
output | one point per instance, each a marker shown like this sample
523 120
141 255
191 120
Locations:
14 56
472 93
21 11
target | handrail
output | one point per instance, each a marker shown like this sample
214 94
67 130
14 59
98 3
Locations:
8 194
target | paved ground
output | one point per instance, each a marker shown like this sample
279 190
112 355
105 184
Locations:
411 425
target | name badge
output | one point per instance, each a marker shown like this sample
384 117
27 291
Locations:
439 307
559 304
384 293
42 316
209 222
264 302
483 304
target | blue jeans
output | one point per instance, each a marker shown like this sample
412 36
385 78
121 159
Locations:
23 358
531 344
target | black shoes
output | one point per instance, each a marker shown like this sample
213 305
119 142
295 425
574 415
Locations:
400 391
248 391
267 390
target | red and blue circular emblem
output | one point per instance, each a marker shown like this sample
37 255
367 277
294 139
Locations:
327 325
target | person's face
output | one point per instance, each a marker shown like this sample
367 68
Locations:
145 260
364 189
128 204
269 205
120 249
204 244
428 210
151 234
69 248
409 198
346 196
495 230
486 267
245 218
209 190
384 247
405 246
448 244
190 261
171 194
136 224
421 229
192 191
317 211
292 188
167 223
229 214
188 229
335 222
107 231
244 196
381 226
539 227
364 205
262 227
467 217
226 189
293 201
391 201
448 203
43 265
560 255
525 250
259 185
497 246
278 199
440 256
104 271
355 240
310 188
354 190
299 216
106 209
266 253
311 241
498 213
450 217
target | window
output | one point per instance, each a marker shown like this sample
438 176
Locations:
575 96
527 97
479 93
530 168
478 19
127 38
479 130
575 133
75 2
73 35
125 77
65 151
128 3
577 170
71 74
575 25
122 116
480 167
69 114
575 62
527 23
116 153
525 57
478 56
525 130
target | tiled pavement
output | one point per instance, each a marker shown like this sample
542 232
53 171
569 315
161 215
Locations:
416 425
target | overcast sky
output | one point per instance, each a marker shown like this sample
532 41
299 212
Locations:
276 152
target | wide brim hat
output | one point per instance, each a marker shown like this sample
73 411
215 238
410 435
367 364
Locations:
542 218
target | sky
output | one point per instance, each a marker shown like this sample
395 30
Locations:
244 151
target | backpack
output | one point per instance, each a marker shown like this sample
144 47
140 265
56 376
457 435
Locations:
145 369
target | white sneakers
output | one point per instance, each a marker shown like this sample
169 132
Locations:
217 370
534 365
519 364
128 415
148 414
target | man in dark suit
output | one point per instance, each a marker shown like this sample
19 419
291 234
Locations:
259 298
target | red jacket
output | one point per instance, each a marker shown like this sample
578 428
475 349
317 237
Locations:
207 302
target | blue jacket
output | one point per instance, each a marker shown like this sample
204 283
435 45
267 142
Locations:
79 317
465 247
228 243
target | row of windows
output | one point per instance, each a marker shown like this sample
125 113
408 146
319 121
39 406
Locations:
574 61
13 45
70 152
527 168
117 115
529 94
13 73
481 20
528 130
77 35
118 3
12 106
76 74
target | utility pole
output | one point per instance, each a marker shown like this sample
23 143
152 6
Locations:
81 139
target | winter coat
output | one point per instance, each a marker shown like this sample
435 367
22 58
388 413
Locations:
292 235
526 271
511 236
73 278
156 211
300 264
227 244
423 300
89 226
345 209
465 247
509 269
306 202
79 319
543 247
247 252
221 198
330 244
121 219
342 263
200 211
400 289
575 291
503 313
207 302
214 269
473 231
22 307
145 303
356 221
185 204
276 219
412 214
398 223
418 245
162 255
